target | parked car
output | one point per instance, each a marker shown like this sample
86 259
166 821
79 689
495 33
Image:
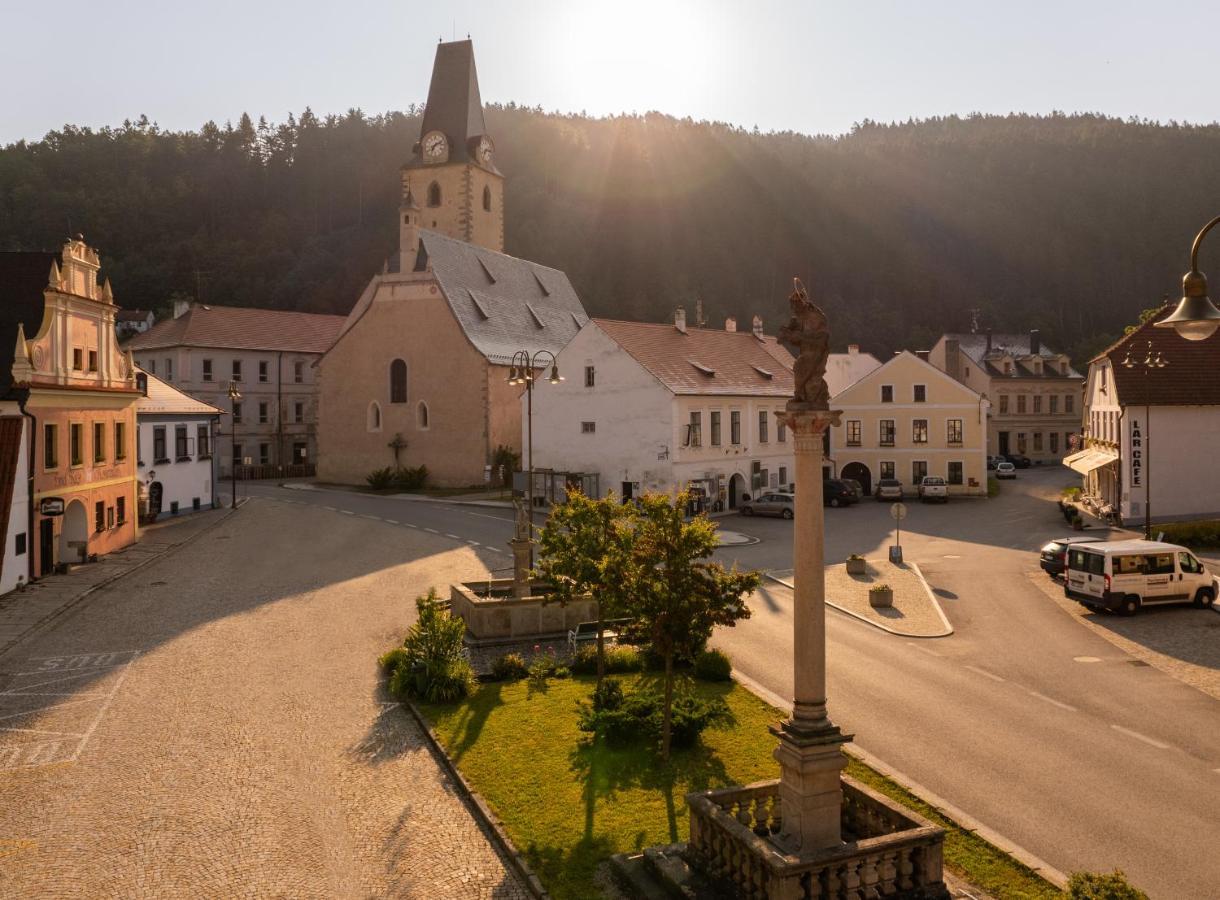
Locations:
837 492
1127 575
1019 460
773 504
1005 470
857 488
933 487
993 461
889 489
1053 557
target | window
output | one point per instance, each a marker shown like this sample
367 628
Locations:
588 427
398 381
50 446
78 359
202 445
921 393
298 372
373 422
264 413
919 469
1020 404
1003 404
887 393
783 476
237 370
1189 564
92 360
887 469
1037 441
421 414
207 370
181 448
298 411
109 516
487 198
159 451
590 376
955 431
237 457
887 433
1158 564
1054 439
264 454
19 545
121 509
1020 441
762 427
955 473
434 194
693 428
76 443
1054 404
236 412
715 428
99 442
169 369
1037 403
735 426
152 367
99 516
919 431
781 431
853 432
1069 404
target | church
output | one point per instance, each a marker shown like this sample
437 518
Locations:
419 373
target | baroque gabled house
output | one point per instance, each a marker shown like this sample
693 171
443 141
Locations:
419 372
62 371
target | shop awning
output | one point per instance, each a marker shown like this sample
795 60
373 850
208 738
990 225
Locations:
1085 461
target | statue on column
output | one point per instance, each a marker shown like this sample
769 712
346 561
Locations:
809 331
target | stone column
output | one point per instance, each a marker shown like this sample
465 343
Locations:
522 551
809 750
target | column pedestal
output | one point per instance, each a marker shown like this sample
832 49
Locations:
521 567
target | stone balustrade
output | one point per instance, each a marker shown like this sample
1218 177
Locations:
888 852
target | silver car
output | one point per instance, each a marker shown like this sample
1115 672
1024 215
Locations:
773 504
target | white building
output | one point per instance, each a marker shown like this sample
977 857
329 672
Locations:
1147 427
14 497
657 407
128 322
175 443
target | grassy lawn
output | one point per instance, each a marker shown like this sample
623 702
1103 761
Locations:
568 804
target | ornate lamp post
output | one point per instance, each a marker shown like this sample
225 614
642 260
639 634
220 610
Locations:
234 396
1196 317
1150 361
522 371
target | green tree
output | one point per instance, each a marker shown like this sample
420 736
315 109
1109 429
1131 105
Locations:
673 594
585 548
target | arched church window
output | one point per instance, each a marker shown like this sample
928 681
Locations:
487 198
423 414
398 381
374 416
434 194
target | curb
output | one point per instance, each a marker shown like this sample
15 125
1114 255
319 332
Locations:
958 815
482 812
855 615
41 627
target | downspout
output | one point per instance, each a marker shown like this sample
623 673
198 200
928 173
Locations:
279 410
1118 476
29 549
215 461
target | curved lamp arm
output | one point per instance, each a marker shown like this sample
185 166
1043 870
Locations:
1196 317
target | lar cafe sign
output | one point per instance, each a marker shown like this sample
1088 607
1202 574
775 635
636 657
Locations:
51 506
1137 453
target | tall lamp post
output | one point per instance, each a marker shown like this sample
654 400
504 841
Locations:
1196 317
1150 361
522 371
234 396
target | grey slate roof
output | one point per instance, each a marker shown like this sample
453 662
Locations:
504 304
454 105
1015 345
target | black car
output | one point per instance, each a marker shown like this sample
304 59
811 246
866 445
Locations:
1019 460
1053 557
836 492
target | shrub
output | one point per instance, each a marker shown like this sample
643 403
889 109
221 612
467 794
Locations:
1195 535
509 667
608 695
993 486
855 556
1100 886
619 660
503 463
878 588
639 715
546 665
712 665
434 667
391 660
1072 493
409 479
380 479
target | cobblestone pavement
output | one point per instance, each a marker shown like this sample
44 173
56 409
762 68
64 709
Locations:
214 726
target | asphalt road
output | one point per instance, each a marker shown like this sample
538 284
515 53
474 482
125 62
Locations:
1036 726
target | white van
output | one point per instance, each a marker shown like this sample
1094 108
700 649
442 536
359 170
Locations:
1125 575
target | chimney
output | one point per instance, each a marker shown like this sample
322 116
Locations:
756 327
988 340
730 324
181 308
923 354
680 319
853 349
953 359
1035 343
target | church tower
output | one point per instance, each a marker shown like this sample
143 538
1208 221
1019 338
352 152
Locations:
452 175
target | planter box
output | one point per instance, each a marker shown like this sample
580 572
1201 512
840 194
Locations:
881 599
855 567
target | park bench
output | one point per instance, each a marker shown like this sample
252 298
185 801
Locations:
586 632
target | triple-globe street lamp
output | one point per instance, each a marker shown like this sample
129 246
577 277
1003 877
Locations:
522 371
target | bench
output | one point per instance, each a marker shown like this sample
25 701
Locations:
586 632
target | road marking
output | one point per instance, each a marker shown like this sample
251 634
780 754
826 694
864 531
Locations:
1086 659
347 512
485 516
952 556
331 508
472 543
1141 737
392 521
431 530
452 536
367 516
985 673
923 649
1053 702
410 524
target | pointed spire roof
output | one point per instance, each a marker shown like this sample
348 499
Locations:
454 105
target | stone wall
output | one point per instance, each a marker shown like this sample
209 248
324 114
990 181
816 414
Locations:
506 618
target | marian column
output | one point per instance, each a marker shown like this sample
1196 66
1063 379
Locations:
809 751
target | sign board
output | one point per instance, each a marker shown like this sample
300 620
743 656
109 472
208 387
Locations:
898 511
51 506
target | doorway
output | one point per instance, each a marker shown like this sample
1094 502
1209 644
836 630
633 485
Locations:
859 472
46 547
74 536
1003 443
737 486
154 498
628 491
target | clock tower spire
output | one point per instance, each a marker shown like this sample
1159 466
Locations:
452 171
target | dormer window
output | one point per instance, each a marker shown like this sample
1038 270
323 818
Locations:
706 370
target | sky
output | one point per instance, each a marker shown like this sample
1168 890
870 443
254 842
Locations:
800 65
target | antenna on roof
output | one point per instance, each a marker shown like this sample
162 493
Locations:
699 320
974 319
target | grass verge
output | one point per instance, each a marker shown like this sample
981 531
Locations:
569 803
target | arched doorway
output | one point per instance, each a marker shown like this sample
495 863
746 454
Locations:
737 486
74 531
859 472
154 498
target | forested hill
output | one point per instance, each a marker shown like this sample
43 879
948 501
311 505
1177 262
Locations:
1071 224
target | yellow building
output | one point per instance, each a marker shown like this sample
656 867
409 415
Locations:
907 419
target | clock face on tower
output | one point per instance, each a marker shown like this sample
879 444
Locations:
435 146
484 150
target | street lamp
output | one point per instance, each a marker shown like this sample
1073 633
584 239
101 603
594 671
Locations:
1196 317
234 396
521 371
1148 363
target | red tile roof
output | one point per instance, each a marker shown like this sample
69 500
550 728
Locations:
1190 378
242 328
704 360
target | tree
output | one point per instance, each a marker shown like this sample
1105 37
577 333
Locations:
674 596
585 548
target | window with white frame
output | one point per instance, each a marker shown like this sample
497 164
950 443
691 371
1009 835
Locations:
588 427
954 435
762 427
853 432
920 393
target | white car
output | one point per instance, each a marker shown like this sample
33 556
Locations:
933 487
1005 470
